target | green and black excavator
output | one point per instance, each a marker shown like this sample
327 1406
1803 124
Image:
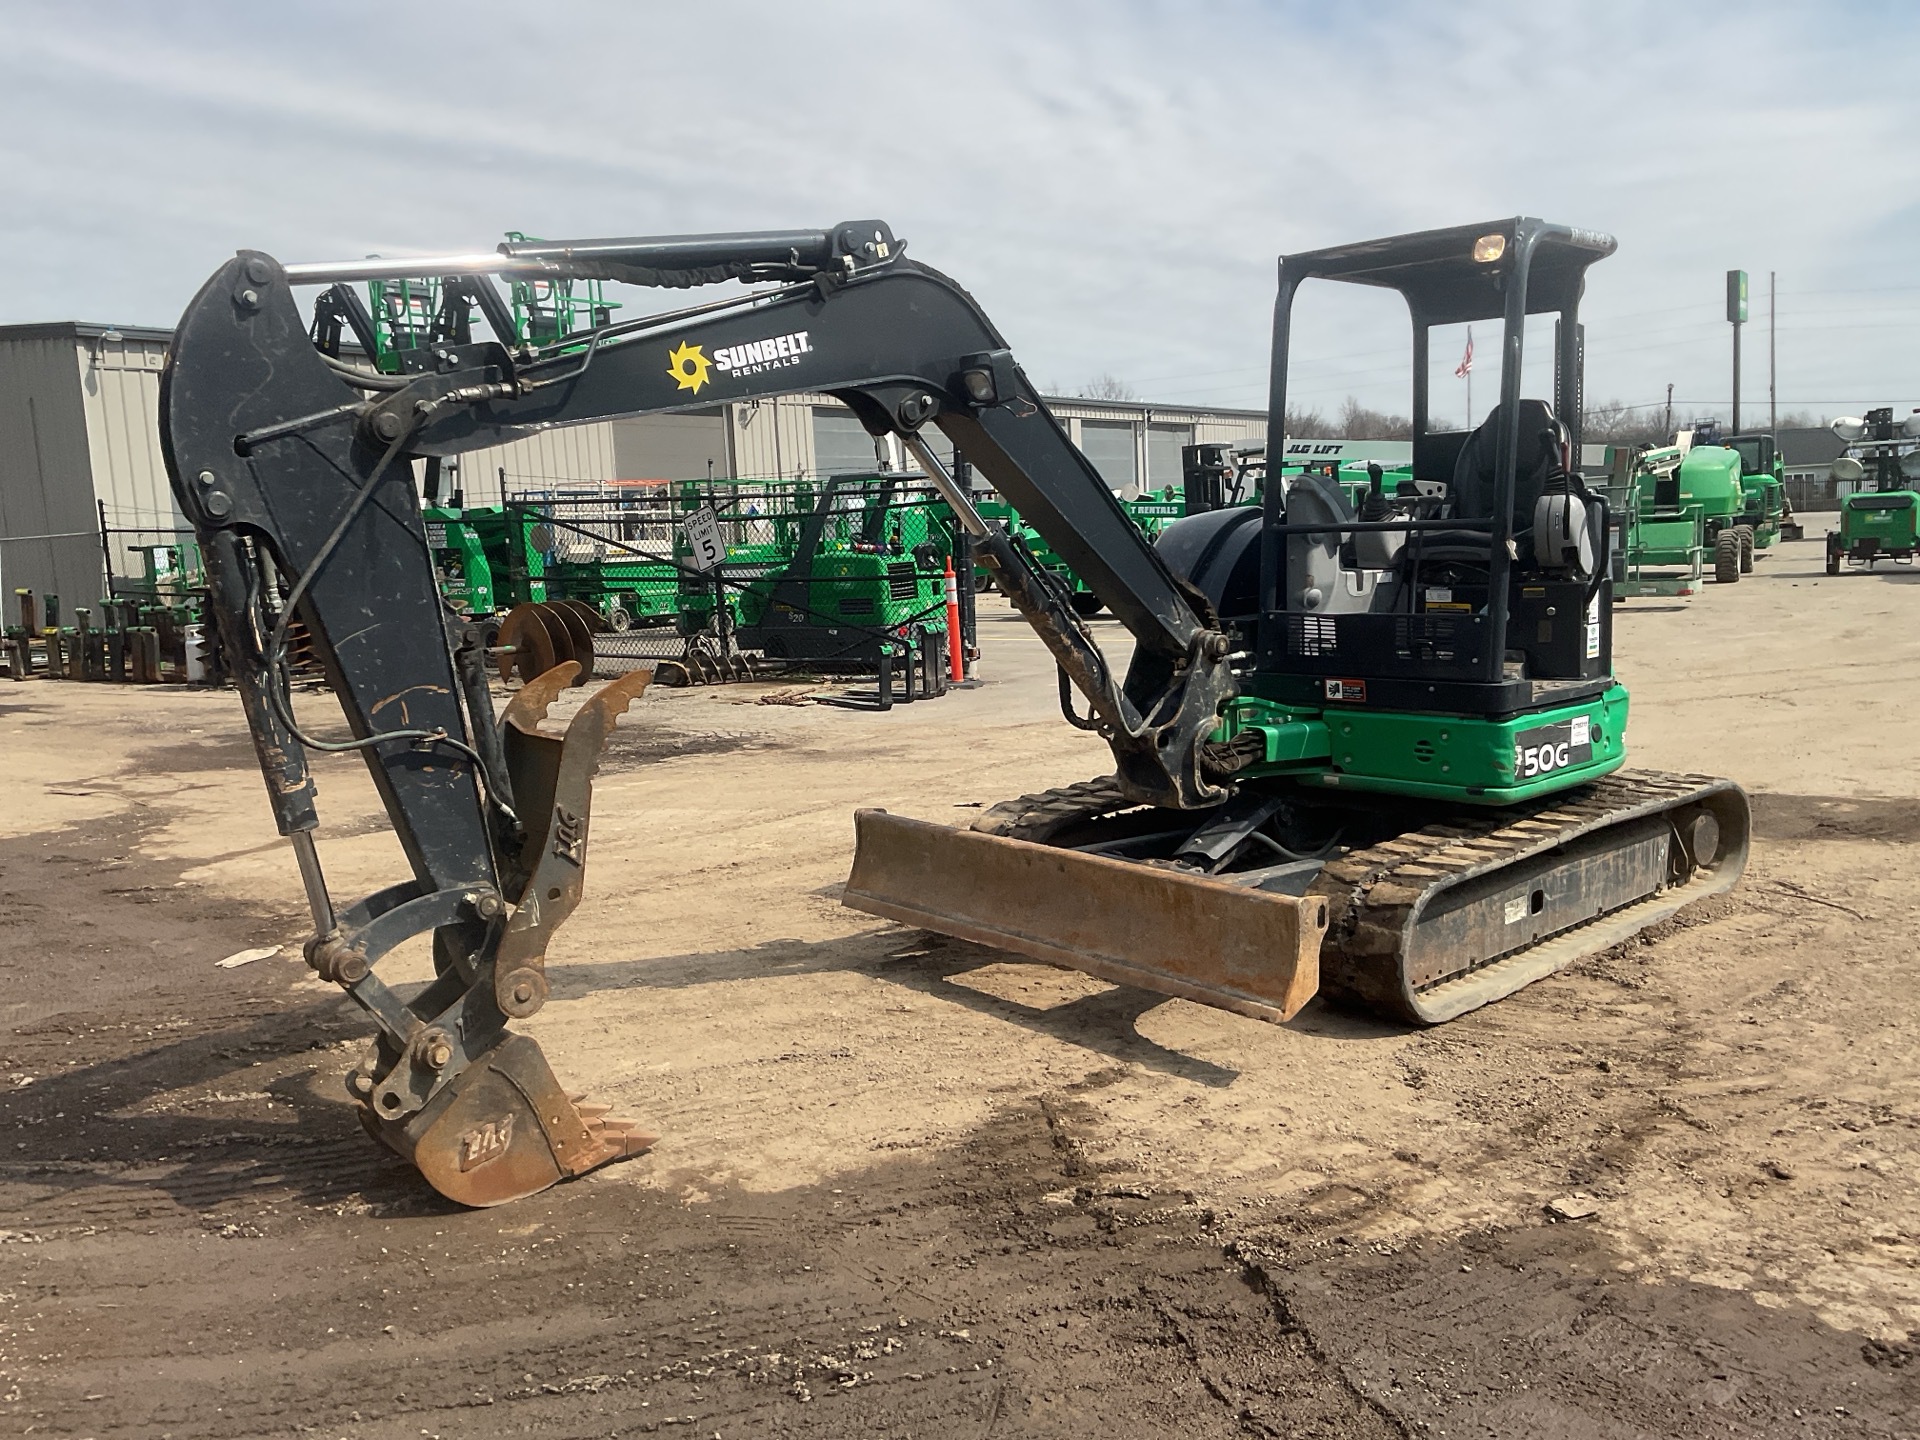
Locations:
1370 752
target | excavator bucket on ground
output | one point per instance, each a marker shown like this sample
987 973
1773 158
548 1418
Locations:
502 1127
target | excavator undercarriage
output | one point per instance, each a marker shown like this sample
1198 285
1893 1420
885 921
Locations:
1419 921
1372 755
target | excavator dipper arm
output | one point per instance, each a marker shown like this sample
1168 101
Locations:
296 469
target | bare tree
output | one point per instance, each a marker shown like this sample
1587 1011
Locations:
1357 422
1617 423
1802 420
1310 425
1105 386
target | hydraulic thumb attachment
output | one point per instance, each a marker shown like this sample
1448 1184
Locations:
475 1107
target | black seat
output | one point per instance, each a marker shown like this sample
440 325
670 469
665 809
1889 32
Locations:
1540 451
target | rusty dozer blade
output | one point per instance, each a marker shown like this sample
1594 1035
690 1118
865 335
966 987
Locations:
1242 949
503 1127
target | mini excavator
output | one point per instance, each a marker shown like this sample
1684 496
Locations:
1373 752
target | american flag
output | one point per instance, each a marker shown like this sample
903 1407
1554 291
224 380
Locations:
1465 367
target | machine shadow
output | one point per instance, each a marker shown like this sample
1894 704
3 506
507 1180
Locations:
135 1149
126 1152
1106 1022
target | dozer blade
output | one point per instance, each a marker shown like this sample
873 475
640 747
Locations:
503 1129
1242 949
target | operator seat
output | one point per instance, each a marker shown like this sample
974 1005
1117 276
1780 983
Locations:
1542 440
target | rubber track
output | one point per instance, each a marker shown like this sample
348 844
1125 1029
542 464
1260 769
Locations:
1044 814
1371 892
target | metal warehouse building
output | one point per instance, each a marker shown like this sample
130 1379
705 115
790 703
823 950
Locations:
82 480
77 442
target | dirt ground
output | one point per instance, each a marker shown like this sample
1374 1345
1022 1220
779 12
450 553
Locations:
907 1188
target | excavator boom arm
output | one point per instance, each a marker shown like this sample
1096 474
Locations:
295 465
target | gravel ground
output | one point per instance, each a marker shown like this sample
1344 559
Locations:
907 1187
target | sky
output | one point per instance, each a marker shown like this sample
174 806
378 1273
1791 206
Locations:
1112 181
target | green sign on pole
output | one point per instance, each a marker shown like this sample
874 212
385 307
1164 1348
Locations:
1737 297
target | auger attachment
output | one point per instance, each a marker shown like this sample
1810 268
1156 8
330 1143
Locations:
706 660
538 635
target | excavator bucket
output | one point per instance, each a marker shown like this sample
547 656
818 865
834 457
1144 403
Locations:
1236 947
503 1127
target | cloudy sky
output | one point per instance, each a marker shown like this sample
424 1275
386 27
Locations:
1112 180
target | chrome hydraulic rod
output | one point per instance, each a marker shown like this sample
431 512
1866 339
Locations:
964 510
325 923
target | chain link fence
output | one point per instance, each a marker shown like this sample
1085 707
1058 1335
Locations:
837 574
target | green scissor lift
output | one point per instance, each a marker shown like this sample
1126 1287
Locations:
489 557
413 316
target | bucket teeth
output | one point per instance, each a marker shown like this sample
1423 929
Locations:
620 1139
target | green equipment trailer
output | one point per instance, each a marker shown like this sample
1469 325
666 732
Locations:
1882 523
861 586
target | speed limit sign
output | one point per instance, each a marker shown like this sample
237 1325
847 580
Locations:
703 538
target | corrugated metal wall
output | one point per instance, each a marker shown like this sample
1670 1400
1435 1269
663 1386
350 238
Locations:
774 439
673 447
1155 465
120 383
558 459
49 531
1230 430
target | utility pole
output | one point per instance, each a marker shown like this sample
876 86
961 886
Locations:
1736 316
1669 409
1773 395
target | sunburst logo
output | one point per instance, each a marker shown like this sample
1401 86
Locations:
688 366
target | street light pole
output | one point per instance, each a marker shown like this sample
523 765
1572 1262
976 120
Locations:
1773 394
1736 316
